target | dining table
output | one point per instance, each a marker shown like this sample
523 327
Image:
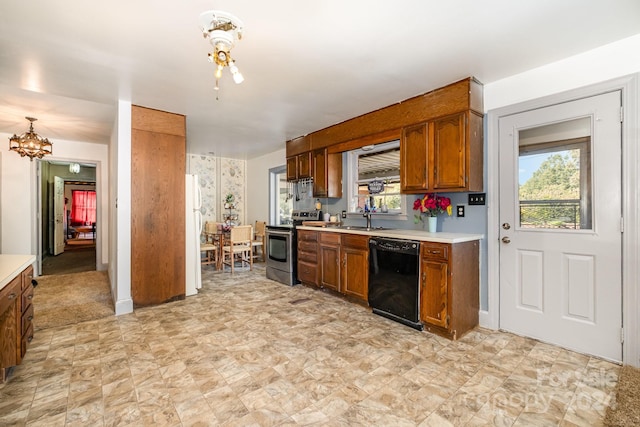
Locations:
83 229
218 236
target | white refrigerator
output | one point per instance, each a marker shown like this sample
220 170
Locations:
193 230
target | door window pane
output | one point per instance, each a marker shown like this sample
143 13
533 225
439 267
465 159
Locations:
554 168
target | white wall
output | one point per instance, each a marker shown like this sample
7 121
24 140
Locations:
120 213
257 205
613 60
17 199
19 188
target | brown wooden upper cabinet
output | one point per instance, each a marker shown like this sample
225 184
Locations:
440 150
299 167
327 173
299 163
444 154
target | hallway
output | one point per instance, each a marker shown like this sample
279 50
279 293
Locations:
74 259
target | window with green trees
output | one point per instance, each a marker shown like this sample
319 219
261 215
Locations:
555 193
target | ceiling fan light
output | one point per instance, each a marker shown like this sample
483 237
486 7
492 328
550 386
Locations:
223 30
221 57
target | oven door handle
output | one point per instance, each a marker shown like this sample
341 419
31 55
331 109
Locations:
279 233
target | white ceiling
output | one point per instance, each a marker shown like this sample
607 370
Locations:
307 65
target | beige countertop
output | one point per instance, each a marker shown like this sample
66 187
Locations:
396 233
12 265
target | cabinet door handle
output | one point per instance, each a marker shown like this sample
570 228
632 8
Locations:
30 318
30 338
30 296
11 296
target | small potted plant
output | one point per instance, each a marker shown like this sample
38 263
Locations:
228 201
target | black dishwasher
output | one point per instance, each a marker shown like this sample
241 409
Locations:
394 267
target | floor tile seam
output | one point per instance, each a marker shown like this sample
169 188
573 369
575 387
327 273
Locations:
480 413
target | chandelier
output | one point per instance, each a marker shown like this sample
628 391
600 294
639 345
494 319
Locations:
223 30
30 143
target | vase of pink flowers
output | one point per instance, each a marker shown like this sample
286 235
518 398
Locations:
429 206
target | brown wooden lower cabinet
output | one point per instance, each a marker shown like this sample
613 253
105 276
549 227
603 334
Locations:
355 266
308 271
26 310
449 281
449 276
330 261
16 315
344 263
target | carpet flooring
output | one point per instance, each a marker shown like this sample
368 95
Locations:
625 410
66 299
74 259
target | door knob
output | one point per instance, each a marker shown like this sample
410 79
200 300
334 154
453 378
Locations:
506 226
506 240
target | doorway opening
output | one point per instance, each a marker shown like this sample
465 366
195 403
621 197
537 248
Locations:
68 211
280 196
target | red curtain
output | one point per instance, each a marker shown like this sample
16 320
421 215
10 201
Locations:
83 208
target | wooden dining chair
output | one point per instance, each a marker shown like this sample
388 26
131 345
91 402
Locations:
238 244
210 244
259 239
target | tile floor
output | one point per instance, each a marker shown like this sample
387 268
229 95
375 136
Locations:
247 351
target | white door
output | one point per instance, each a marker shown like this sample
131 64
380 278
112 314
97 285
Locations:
58 215
560 225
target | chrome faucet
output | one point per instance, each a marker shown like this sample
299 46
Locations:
367 215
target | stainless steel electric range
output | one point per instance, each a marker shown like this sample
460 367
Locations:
282 247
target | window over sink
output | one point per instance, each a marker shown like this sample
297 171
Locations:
373 180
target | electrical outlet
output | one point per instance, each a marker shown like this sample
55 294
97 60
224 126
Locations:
477 199
344 214
460 210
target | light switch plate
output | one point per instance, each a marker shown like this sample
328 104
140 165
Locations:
477 199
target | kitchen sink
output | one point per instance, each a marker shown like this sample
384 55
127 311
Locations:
360 227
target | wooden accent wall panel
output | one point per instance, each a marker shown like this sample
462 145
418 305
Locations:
158 166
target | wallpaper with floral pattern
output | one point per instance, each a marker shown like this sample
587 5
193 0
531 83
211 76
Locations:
218 177
233 181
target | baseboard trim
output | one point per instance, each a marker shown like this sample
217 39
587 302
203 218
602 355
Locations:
124 306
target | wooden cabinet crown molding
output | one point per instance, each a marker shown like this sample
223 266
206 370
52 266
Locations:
464 95
298 145
157 121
